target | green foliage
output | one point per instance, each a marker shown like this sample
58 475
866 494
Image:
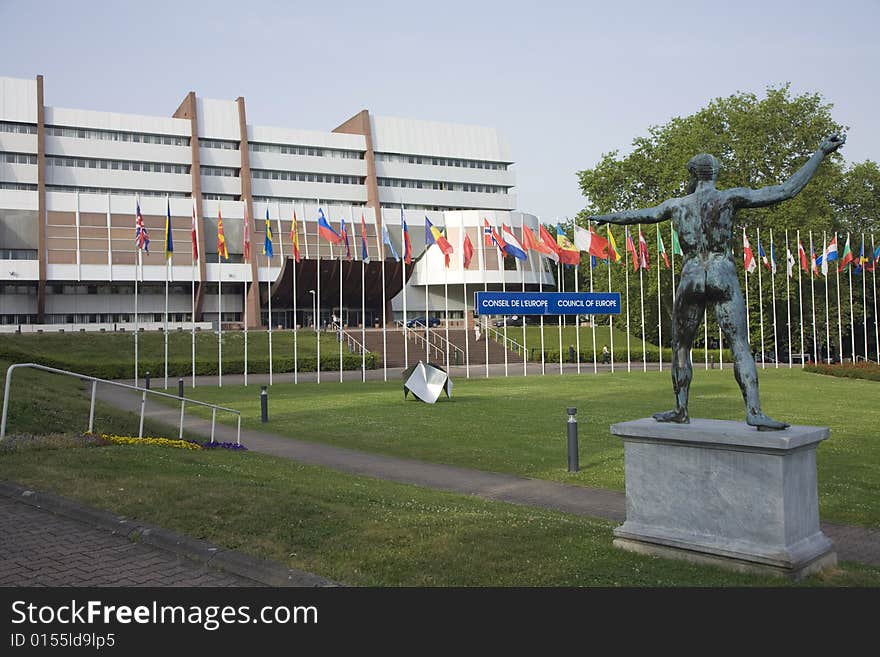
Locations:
868 371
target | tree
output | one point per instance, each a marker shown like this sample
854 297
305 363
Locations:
759 142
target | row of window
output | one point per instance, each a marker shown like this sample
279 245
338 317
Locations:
271 174
300 201
286 149
120 165
18 254
108 318
221 197
115 135
442 185
225 172
19 158
19 128
115 191
19 187
440 161
221 144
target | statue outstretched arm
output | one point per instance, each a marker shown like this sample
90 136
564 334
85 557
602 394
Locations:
756 198
642 216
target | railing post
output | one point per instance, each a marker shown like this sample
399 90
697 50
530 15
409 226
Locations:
6 400
92 407
238 434
143 403
180 432
213 422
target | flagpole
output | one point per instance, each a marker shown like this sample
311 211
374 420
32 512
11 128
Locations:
561 286
167 270
611 317
137 273
800 299
427 314
268 294
467 341
813 300
318 302
863 264
446 302
384 318
761 300
363 304
219 319
339 330
828 355
521 266
483 256
592 317
839 319
874 265
788 297
247 256
193 261
500 256
541 290
852 325
642 300
659 306
577 318
295 228
773 293
628 241
403 283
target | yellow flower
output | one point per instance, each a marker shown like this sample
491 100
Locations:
161 442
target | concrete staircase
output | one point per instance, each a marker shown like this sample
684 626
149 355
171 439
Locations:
437 351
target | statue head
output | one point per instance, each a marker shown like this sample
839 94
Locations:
702 167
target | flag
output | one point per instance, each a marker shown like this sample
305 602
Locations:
861 261
386 238
631 248
294 237
221 238
789 262
802 256
772 258
598 246
582 238
493 237
676 247
828 255
532 243
548 241
344 234
246 251
267 243
434 236
748 257
365 255
643 252
467 251
141 237
763 255
407 245
847 256
512 245
568 253
325 230
612 246
814 261
662 249
194 235
169 244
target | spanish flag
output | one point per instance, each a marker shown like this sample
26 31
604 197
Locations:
221 238
294 238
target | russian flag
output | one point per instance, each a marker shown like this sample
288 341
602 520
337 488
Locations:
512 245
325 230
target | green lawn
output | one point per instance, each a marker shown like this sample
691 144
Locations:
360 530
517 425
111 355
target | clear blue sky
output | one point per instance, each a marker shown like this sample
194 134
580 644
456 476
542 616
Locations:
564 81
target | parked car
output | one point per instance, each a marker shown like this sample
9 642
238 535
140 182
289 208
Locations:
420 321
509 321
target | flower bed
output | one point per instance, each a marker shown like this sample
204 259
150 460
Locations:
170 442
869 371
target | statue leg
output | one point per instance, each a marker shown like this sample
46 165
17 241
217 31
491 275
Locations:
687 313
731 316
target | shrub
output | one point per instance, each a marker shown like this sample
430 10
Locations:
868 371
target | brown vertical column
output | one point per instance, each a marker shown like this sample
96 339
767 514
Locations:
41 203
187 110
253 295
359 124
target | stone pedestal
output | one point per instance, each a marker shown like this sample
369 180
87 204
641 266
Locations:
722 492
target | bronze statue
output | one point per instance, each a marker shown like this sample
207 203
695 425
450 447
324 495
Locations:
704 221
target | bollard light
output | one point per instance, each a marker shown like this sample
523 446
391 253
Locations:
573 465
147 380
180 387
264 404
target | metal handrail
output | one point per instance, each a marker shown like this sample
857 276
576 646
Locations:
354 345
95 381
503 339
443 341
418 335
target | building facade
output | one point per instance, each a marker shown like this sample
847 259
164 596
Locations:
70 182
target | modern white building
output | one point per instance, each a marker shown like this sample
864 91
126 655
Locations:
70 181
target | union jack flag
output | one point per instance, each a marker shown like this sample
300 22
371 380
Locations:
141 237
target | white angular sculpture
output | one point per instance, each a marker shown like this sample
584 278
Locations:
426 381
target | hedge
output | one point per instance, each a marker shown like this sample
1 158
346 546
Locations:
868 371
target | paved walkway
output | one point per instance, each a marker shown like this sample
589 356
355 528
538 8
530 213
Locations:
40 548
853 543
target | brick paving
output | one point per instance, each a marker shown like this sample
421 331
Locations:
40 548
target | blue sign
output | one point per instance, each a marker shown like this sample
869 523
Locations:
547 303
